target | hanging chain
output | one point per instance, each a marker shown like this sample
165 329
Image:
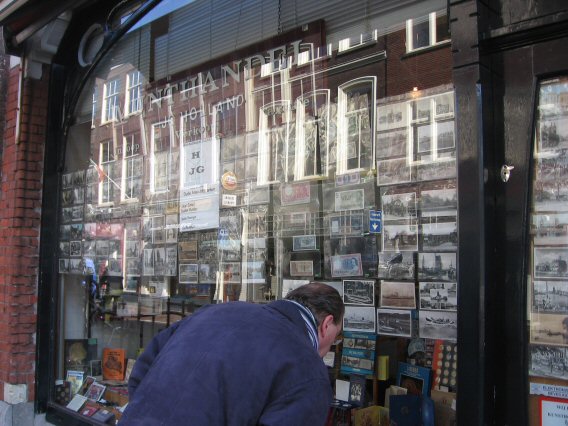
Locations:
279 16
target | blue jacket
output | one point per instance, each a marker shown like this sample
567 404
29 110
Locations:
231 364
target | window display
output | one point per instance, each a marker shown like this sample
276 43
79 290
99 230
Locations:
245 176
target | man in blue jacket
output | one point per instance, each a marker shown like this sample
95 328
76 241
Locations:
240 364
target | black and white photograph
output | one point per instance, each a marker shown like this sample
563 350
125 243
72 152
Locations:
552 167
301 268
359 292
550 262
67 180
438 325
359 318
390 172
63 266
172 225
548 229
421 110
357 390
398 294
89 248
187 250
398 205
442 168
132 248
400 236
230 234
424 138
392 144
437 266
171 261
550 195
396 265
289 285
439 202
346 265
548 361
133 266
102 248
254 272
75 249
76 231
550 297
445 135
353 362
549 329
207 273
439 233
64 249
347 224
114 268
392 116
90 231
160 260
553 133
76 266
442 296
304 242
188 273
148 262
78 195
79 178
158 230
444 105
394 322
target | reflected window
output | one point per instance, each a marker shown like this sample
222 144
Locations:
273 142
105 168
110 101
426 31
132 167
160 159
134 92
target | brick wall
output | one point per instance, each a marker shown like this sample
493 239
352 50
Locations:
20 209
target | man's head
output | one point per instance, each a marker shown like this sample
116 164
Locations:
326 305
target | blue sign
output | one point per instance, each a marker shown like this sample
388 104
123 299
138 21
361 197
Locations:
375 221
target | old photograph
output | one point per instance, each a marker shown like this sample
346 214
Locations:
398 294
445 135
254 272
158 230
359 318
207 273
440 169
64 249
549 361
392 144
398 205
400 236
188 273
437 266
75 249
423 137
549 329
392 116
548 229
441 296
396 265
550 262
550 195
350 200
63 266
394 322
390 172
438 325
439 233
148 263
346 265
552 133
439 202
359 292
187 250
550 297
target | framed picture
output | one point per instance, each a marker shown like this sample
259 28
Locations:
392 144
398 294
548 361
359 318
207 273
346 224
359 292
392 116
396 265
442 168
231 272
394 322
393 171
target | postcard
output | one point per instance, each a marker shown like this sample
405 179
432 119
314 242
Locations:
350 200
394 322
398 294
346 265
359 292
301 268
304 242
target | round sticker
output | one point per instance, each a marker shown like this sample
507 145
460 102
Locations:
229 181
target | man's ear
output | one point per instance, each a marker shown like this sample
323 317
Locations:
324 326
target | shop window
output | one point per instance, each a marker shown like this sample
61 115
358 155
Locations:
426 31
111 101
134 92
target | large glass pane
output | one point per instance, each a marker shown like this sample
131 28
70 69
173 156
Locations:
245 170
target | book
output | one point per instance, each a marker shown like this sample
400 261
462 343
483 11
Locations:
113 363
357 390
358 354
77 402
405 410
75 378
88 381
95 391
393 390
129 366
103 415
89 409
414 378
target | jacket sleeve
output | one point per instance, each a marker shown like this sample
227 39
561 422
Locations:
306 404
145 360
